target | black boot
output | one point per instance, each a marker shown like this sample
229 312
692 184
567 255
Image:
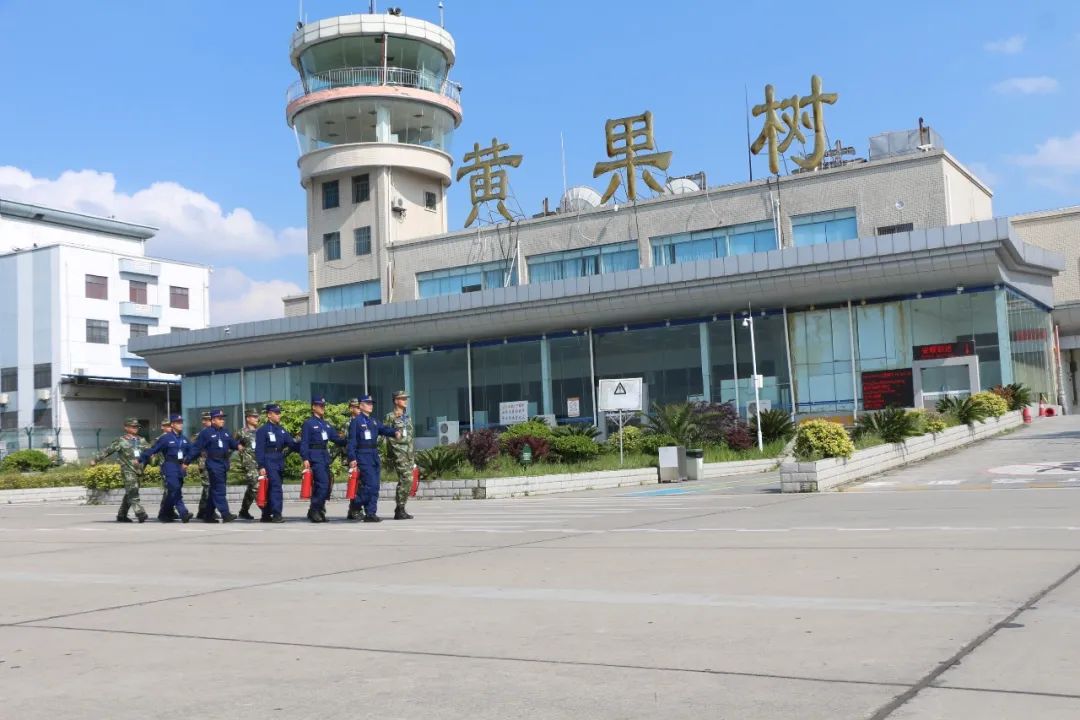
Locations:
322 516
123 518
355 514
313 516
266 518
372 518
186 517
400 514
276 519
228 518
209 519
245 515
141 517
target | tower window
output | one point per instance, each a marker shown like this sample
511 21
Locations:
361 188
362 240
431 201
332 246
330 195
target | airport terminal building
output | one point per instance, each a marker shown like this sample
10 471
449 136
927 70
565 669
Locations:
893 263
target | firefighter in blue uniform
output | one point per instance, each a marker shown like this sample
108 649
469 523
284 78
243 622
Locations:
271 443
172 446
216 444
315 435
363 453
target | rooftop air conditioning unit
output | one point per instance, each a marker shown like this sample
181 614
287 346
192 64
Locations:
44 394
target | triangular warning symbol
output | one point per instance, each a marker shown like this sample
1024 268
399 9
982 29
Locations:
619 390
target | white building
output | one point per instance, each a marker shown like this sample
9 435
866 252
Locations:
73 290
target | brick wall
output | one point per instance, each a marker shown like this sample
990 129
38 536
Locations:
1057 230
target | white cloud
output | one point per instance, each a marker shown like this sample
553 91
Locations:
236 298
1060 154
187 219
1037 85
1009 46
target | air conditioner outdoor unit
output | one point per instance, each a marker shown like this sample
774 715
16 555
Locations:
449 432
4 399
79 371
44 394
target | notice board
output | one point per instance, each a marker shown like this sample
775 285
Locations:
888 388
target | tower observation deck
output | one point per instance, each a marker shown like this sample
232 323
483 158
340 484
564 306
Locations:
373 111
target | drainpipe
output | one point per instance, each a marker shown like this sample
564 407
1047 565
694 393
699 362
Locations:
790 376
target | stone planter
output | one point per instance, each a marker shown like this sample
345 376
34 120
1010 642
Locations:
833 472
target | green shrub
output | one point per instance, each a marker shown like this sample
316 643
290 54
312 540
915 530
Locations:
574 448
928 421
992 404
817 439
963 409
532 428
651 443
892 425
679 421
632 437
540 447
776 424
583 429
480 447
1017 395
439 461
107 477
25 461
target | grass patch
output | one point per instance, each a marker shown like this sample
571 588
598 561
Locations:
868 440
722 453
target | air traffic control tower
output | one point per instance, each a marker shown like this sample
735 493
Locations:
373 113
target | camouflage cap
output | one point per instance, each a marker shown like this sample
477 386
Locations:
401 394
165 422
205 415
251 412
355 402
132 422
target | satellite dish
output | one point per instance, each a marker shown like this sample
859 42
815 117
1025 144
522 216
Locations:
678 186
899 205
578 198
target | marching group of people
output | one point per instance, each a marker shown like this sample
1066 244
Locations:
262 450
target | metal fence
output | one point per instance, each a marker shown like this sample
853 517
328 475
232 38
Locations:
372 76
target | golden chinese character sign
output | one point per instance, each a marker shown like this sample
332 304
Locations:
626 137
489 181
782 125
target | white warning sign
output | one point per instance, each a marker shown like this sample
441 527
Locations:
620 394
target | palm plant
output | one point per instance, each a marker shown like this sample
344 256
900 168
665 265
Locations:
892 425
775 425
677 421
585 430
439 461
964 409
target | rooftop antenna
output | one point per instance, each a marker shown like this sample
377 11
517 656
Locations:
442 17
371 7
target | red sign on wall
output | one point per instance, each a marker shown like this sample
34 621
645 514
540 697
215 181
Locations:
888 388
942 351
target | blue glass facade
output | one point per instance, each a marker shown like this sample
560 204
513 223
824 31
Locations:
825 227
716 243
469 278
584 262
353 295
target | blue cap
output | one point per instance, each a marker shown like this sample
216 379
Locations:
176 418
272 407
366 399
318 400
217 413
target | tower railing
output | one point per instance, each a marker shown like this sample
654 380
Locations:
373 76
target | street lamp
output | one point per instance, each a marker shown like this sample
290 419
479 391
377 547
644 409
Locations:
748 321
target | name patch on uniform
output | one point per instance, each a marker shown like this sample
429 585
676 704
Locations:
271 437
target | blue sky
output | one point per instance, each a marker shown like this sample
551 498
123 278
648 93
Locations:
173 113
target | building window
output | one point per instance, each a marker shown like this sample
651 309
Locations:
825 227
178 329
431 201
362 240
178 297
42 375
140 373
470 278
97 287
715 243
354 295
9 379
361 188
138 330
584 262
331 246
97 331
137 292
893 229
43 418
9 420
330 195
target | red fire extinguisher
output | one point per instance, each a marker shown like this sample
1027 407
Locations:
354 479
262 497
305 484
415 481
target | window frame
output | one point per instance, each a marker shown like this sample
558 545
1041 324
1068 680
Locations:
93 331
137 289
9 379
143 331
43 419
361 188
91 281
331 194
176 292
140 372
42 375
823 219
356 240
431 201
335 239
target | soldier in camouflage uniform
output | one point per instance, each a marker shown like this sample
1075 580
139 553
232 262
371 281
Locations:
127 449
206 510
248 464
400 452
